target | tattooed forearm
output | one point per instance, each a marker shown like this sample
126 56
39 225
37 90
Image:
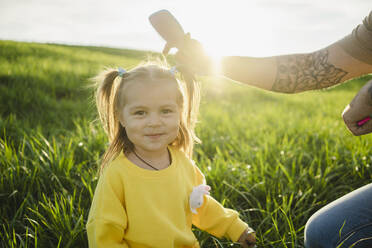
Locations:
301 72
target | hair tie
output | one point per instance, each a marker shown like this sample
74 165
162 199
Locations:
173 70
121 71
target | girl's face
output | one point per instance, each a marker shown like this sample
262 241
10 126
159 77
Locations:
151 115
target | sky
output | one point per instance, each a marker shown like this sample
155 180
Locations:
233 27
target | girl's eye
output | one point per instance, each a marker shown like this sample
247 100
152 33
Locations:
139 112
167 111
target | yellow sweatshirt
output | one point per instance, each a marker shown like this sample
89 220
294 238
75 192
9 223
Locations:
138 208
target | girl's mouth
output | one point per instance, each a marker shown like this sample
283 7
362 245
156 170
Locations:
155 135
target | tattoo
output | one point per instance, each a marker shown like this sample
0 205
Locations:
303 72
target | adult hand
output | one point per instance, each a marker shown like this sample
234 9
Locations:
192 55
248 238
359 109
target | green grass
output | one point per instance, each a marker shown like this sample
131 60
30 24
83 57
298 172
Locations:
275 158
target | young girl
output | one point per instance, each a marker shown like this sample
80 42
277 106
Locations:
144 194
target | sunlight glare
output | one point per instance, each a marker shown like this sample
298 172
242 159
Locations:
234 30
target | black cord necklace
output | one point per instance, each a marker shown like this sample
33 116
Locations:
148 163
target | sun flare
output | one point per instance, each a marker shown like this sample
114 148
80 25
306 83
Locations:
236 31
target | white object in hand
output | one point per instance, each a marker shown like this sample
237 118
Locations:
168 27
196 196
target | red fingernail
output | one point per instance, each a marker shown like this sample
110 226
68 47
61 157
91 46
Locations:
362 122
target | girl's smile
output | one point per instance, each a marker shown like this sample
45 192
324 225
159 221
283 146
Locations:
154 136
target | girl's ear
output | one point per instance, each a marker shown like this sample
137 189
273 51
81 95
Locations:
122 122
121 118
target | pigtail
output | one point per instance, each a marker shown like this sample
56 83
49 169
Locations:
192 88
107 84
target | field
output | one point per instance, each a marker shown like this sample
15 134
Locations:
275 158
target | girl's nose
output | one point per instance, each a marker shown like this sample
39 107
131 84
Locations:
154 120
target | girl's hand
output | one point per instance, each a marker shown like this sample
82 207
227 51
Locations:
360 109
192 55
248 238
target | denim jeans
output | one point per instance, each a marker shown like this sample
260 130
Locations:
343 223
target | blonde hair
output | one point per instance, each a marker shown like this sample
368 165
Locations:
109 99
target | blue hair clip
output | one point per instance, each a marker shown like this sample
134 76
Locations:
121 71
173 70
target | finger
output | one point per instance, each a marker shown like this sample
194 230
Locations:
184 43
352 114
249 244
244 245
183 59
351 117
351 121
166 49
352 127
364 129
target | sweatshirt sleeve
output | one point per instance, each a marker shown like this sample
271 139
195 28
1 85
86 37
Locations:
213 218
107 219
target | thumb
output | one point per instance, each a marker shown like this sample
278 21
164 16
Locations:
166 49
